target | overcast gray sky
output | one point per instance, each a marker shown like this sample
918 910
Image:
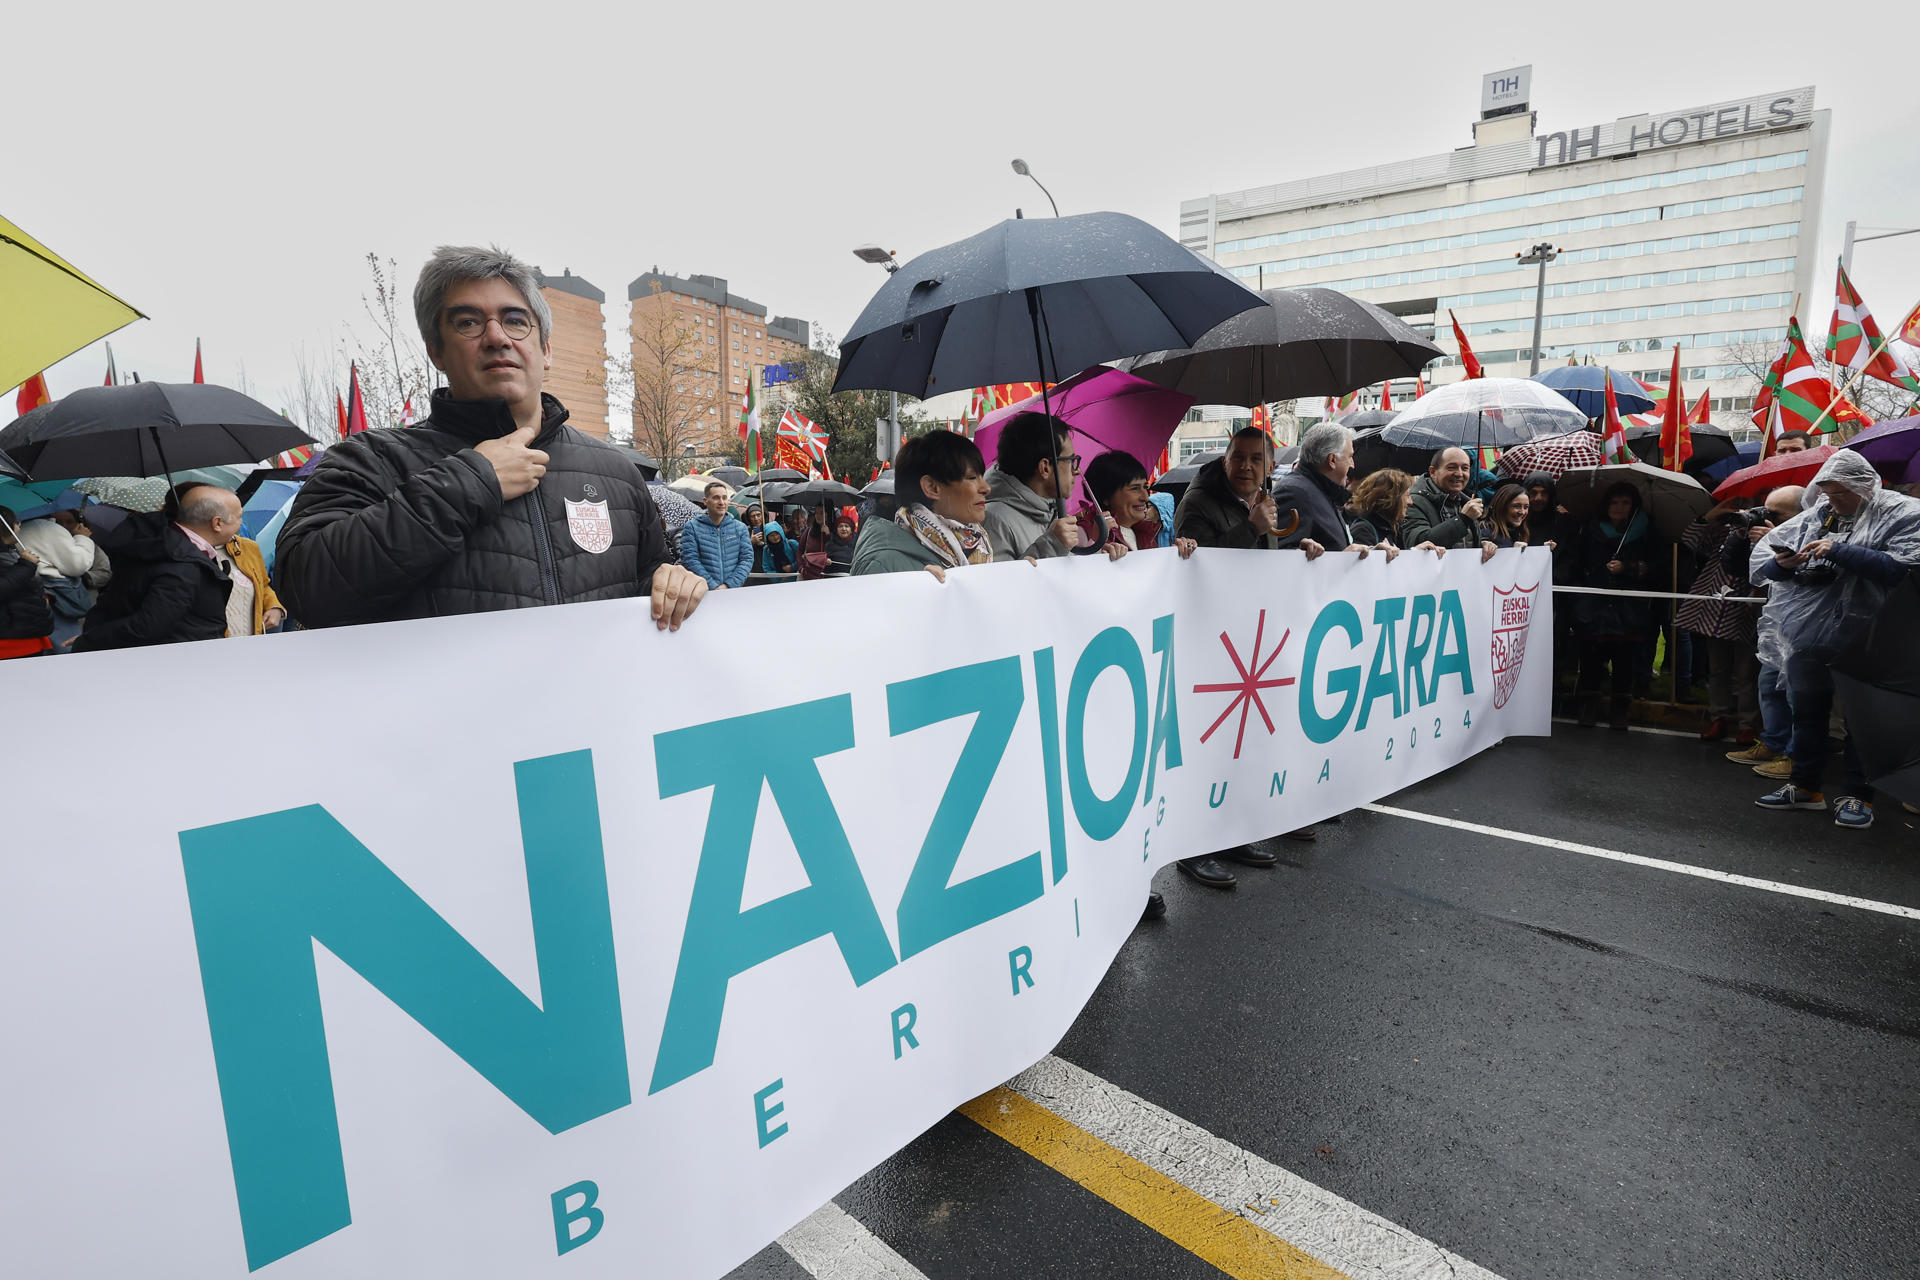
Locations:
227 167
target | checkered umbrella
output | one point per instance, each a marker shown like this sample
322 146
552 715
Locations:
1551 454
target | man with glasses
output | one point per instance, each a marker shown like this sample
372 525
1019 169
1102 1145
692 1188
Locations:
492 502
1033 464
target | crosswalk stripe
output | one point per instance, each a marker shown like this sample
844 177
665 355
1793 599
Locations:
1657 864
1337 1236
1205 1229
833 1245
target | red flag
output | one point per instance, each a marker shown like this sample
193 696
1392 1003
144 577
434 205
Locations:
198 374
33 394
1162 466
874 476
113 374
1386 396
1419 386
406 413
340 408
826 466
1702 413
356 412
1676 440
1613 439
1466 350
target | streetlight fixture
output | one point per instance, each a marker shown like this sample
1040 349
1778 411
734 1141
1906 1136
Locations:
886 433
1881 233
1020 167
1542 254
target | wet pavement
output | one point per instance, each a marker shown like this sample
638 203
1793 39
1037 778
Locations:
1552 1064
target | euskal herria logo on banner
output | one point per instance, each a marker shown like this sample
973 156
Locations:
1512 609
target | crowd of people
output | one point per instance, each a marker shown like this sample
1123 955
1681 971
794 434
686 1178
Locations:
494 502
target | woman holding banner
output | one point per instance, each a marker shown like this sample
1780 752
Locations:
940 479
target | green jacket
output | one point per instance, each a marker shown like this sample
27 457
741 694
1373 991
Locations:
1434 516
884 547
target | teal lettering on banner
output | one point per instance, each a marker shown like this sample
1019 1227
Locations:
1166 707
903 1019
1383 680
1217 793
763 1112
564 1218
1326 771
1342 680
1115 647
263 890
1020 960
1453 624
930 910
1278 786
1047 700
721 940
1413 669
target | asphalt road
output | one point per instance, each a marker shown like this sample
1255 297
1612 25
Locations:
1554 1065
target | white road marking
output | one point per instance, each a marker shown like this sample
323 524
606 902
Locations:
832 1245
1338 1232
1658 864
1640 728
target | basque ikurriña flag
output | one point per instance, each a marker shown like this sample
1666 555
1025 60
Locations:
1854 341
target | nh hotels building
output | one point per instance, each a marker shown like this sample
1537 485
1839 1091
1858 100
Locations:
1692 226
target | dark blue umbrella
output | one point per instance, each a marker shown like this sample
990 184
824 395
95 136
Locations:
1081 290
1586 386
1746 454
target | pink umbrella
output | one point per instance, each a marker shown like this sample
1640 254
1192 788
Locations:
1106 409
1781 468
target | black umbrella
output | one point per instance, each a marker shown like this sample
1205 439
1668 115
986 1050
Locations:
1302 342
146 429
1711 444
1181 476
8 467
1081 290
779 473
732 477
1372 453
822 491
1368 419
880 484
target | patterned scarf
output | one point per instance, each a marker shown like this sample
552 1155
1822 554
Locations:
954 542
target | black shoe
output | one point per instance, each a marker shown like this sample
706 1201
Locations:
1248 856
1208 870
1304 833
1617 713
1156 907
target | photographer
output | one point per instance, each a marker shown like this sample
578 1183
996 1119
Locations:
1830 569
1768 753
1724 624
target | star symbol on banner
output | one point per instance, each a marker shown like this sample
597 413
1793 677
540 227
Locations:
1246 690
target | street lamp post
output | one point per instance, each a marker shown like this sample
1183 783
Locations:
1880 233
1542 254
886 437
1020 167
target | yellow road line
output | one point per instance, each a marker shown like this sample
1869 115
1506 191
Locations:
1190 1220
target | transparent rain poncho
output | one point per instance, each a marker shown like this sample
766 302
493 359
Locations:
1823 606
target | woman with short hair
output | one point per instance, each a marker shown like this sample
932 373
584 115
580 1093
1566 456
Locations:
940 481
1137 517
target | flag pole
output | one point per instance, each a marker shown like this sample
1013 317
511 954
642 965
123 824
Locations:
1885 341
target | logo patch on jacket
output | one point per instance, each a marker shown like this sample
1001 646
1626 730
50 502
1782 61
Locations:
590 525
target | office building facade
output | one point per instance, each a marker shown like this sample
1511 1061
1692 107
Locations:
1691 227
578 378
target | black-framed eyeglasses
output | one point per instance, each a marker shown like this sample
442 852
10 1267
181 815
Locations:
469 325
1071 460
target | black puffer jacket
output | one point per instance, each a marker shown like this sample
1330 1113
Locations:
164 588
1434 516
408 522
24 614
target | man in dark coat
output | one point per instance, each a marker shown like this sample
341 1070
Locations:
170 581
1228 505
1316 488
1441 511
492 502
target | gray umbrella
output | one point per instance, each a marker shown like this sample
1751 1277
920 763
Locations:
1182 476
1303 342
1478 412
817 491
1672 500
8 467
1368 419
881 484
1081 290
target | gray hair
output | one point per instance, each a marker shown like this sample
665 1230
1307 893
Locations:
201 505
456 264
1322 442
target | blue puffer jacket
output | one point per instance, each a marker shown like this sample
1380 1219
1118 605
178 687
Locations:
721 553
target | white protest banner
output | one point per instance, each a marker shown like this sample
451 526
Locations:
496 945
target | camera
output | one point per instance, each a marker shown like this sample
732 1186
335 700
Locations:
1752 518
